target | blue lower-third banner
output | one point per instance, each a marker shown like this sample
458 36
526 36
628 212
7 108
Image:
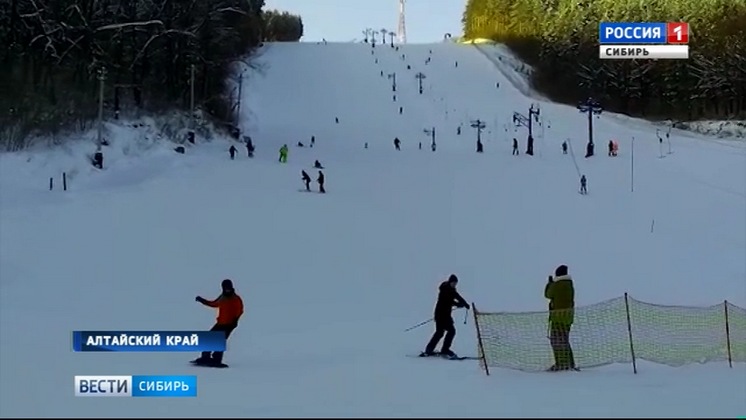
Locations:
136 386
148 341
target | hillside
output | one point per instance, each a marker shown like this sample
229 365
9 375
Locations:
331 282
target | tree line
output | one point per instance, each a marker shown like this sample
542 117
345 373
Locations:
559 39
54 52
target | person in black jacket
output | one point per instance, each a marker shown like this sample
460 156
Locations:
448 297
306 179
320 180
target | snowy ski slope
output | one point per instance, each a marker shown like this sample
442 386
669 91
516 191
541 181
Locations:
331 281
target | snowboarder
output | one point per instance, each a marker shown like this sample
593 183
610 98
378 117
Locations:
284 153
530 146
317 165
561 294
448 297
515 147
480 147
230 309
320 180
306 180
300 144
232 151
583 183
564 147
397 143
589 149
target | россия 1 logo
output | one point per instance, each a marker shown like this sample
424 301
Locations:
648 40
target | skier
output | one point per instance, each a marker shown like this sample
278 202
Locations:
317 165
300 144
420 145
313 140
515 147
232 151
611 148
98 159
561 294
306 180
530 146
397 143
589 149
320 180
458 130
564 147
448 297
583 183
284 153
230 309
401 110
249 146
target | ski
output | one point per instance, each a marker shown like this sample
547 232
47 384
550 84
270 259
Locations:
438 356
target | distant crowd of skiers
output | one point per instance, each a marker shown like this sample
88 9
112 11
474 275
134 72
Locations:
284 151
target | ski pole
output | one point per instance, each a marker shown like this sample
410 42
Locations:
424 322
466 315
419 325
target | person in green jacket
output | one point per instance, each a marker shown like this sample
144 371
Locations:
284 153
561 294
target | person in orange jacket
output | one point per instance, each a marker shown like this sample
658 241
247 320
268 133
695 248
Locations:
230 309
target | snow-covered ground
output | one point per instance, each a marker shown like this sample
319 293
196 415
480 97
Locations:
331 281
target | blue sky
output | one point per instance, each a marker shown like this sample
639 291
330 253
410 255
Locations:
344 20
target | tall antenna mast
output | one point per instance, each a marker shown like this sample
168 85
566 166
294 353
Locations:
401 32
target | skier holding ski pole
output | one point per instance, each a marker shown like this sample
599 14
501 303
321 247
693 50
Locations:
448 297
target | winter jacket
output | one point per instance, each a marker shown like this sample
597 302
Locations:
448 297
230 308
561 295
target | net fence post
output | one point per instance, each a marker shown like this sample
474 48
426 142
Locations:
479 340
629 333
727 333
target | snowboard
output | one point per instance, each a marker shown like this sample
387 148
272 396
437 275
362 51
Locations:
439 356
212 365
